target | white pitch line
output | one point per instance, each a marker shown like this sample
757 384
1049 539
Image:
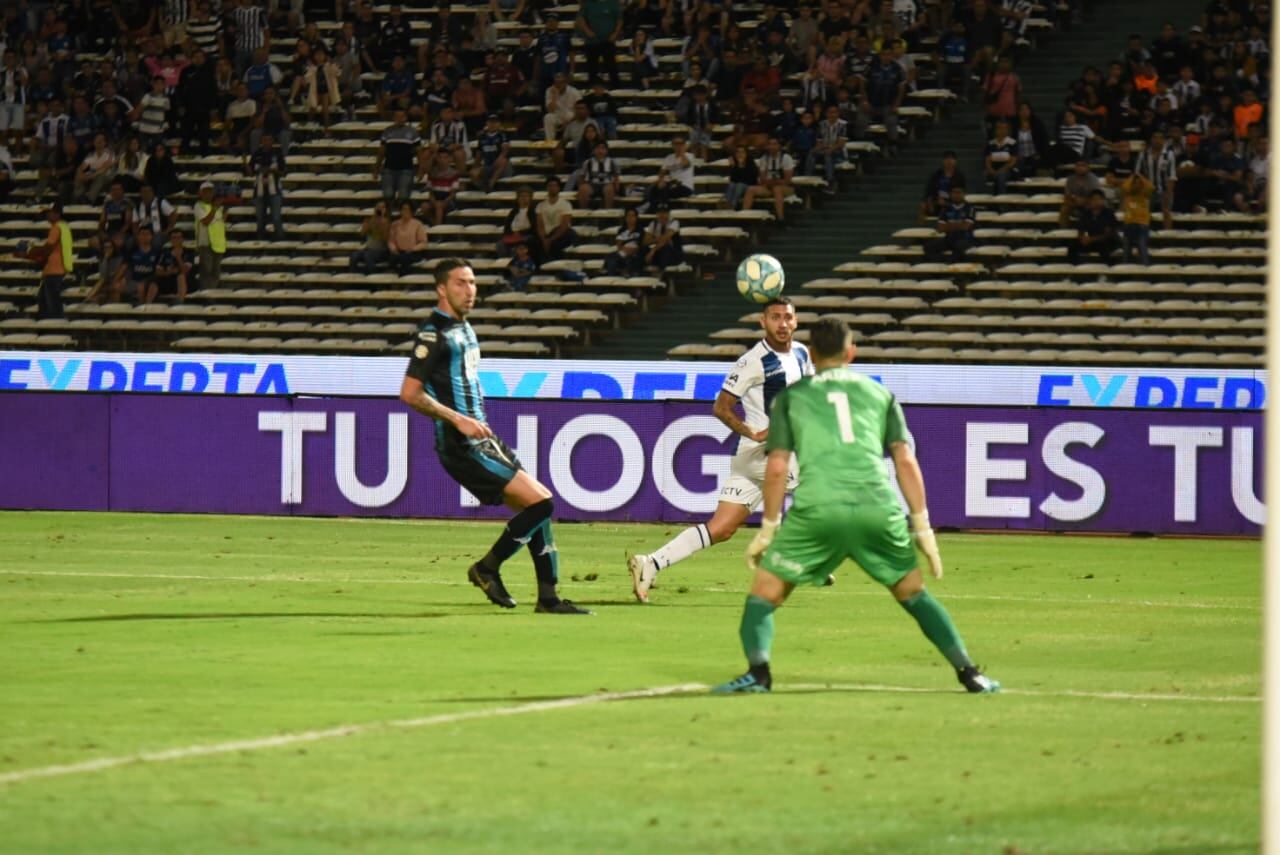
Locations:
350 580
1033 693
339 732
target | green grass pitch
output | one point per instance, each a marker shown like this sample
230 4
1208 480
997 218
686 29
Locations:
1131 724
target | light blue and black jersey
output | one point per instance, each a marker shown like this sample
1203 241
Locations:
446 358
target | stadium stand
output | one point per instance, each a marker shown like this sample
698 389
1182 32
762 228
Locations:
1016 297
298 292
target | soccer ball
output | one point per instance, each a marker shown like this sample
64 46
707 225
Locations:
760 278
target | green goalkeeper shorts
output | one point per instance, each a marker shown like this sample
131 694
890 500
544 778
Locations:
813 541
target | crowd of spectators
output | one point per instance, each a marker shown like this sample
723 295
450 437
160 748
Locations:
1176 125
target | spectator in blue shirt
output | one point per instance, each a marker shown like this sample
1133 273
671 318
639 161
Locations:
883 92
493 155
397 87
136 278
956 223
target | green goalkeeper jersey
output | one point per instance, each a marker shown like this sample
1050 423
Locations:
840 425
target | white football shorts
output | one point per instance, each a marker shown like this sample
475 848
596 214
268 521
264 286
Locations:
745 484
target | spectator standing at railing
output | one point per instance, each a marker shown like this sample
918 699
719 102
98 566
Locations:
703 117
14 81
600 25
57 255
150 116
1159 163
555 52
252 32
503 84
211 235
883 93
396 159
204 30
267 168
1001 92
198 98
1135 204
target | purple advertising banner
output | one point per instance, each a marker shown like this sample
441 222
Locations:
1112 470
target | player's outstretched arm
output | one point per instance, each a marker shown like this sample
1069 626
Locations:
415 395
911 481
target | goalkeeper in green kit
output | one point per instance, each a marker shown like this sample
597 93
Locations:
840 424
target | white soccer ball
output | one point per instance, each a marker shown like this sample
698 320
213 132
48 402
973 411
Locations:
760 278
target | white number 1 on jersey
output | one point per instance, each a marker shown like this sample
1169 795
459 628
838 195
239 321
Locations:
840 401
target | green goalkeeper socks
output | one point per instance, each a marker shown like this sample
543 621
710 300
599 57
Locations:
936 625
757 629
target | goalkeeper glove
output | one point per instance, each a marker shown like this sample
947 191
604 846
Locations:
761 542
922 532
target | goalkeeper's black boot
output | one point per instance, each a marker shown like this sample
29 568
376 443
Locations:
491 584
975 682
560 607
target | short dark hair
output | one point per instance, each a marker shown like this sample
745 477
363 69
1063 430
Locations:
780 300
828 337
446 266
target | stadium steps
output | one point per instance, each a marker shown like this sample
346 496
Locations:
886 196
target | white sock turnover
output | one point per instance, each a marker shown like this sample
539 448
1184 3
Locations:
682 546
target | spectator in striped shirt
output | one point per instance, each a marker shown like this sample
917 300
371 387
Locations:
151 115
251 33
600 178
204 29
13 99
833 139
1159 164
173 21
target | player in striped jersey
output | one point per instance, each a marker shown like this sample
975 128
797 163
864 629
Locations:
775 362
442 383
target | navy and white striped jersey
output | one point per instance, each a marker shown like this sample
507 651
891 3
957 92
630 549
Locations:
757 378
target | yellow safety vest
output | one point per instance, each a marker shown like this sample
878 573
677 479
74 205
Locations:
217 228
66 245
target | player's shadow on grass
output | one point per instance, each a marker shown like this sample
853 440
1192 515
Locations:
246 616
